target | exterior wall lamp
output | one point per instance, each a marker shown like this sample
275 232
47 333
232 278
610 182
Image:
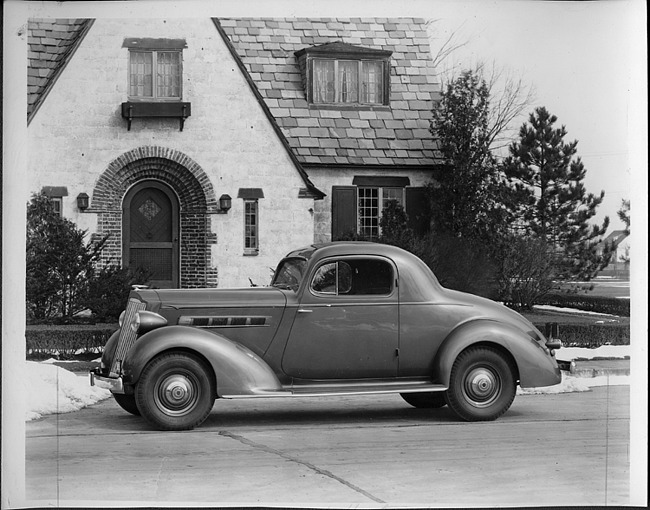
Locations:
225 203
83 201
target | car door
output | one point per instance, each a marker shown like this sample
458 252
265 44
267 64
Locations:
346 325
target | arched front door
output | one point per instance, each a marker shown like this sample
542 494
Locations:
150 232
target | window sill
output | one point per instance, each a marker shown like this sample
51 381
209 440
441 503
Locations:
152 109
251 253
349 107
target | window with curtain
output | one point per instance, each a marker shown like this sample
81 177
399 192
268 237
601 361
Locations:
155 75
348 82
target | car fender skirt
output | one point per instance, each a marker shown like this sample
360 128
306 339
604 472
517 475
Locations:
535 366
238 370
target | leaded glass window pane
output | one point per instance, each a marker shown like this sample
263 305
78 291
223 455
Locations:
141 79
169 74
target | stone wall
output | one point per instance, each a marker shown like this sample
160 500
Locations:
78 139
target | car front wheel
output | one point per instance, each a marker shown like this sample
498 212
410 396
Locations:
175 392
482 385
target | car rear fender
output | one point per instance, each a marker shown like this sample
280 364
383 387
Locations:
238 370
535 366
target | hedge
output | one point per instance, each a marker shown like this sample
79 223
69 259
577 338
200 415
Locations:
592 335
64 342
598 304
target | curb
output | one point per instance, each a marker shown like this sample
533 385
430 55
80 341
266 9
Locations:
598 372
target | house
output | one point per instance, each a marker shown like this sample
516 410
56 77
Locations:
619 265
207 148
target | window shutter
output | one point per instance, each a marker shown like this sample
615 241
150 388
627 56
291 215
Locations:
344 211
417 209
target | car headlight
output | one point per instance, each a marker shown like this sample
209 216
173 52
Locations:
145 321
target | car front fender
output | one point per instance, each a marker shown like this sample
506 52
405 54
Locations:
535 366
238 370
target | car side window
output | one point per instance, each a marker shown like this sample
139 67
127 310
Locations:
333 278
354 277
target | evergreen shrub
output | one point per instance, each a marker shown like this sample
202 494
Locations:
592 336
598 304
66 341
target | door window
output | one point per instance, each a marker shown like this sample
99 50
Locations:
353 277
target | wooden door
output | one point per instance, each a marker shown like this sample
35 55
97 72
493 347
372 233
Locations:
150 232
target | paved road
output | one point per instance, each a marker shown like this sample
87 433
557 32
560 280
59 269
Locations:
568 449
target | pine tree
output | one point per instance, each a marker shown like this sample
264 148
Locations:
553 204
466 200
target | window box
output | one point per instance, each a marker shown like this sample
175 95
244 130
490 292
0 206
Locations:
174 109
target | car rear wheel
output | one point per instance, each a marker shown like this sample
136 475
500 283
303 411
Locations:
127 402
175 392
482 385
430 400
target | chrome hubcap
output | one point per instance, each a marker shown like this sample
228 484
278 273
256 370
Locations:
482 387
176 394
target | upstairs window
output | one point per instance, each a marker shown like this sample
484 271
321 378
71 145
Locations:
347 82
155 69
155 75
343 75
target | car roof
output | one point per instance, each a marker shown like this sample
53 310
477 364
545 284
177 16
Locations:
346 248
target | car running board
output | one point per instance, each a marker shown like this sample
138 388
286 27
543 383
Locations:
333 389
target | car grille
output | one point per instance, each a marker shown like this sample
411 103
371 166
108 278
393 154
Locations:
127 336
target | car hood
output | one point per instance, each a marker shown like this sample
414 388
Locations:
207 298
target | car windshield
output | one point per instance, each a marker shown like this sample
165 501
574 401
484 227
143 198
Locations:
289 274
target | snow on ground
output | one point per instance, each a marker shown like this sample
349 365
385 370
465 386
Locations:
51 389
551 308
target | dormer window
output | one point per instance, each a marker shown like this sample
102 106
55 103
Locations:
347 82
339 74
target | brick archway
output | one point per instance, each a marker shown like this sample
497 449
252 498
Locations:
196 197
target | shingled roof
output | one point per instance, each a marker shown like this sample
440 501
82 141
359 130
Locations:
398 135
51 43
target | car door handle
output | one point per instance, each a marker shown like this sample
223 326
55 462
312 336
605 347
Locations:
304 310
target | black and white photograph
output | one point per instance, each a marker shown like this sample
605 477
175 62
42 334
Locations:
284 254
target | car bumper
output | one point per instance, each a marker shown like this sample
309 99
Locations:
115 385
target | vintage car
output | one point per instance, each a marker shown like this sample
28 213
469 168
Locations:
347 318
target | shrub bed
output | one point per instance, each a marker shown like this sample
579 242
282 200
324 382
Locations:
598 304
67 342
591 335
